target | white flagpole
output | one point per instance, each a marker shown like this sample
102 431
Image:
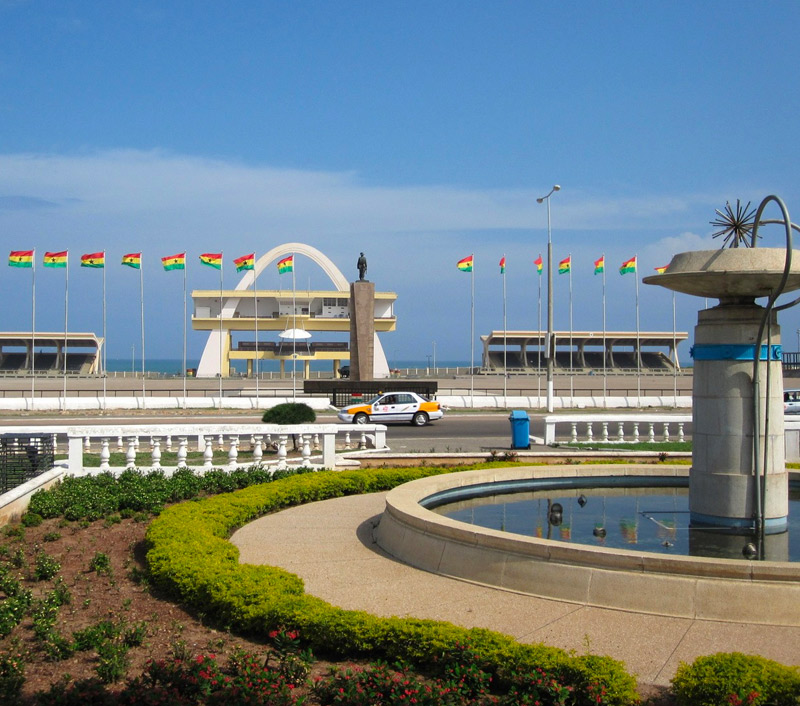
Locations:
638 344
605 368
505 344
674 355
141 300
539 346
33 331
294 331
66 328
255 316
571 400
184 329
220 329
472 339
105 341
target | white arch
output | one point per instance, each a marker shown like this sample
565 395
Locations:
210 364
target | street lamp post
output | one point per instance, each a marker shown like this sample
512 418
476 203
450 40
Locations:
549 348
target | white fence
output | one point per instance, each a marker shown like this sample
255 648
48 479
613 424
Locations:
618 428
318 442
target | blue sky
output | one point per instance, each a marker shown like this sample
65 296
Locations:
417 132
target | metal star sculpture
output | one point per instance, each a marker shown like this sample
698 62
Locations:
736 227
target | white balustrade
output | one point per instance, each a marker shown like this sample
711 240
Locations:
183 445
156 453
130 456
105 454
233 454
570 425
258 452
318 443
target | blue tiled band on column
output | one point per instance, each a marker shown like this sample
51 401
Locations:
733 351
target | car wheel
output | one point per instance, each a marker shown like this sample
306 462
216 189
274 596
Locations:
360 418
420 419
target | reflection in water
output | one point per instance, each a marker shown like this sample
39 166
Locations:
645 519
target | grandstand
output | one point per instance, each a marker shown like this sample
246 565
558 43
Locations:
619 351
45 352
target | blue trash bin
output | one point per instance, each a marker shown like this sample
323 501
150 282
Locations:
520 429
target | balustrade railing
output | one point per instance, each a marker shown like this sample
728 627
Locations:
317 443
616 428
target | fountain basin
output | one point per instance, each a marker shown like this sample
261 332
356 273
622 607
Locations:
729 273
680 586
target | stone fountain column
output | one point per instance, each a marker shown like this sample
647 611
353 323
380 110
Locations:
721 483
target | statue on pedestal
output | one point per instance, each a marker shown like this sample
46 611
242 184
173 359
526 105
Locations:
362 267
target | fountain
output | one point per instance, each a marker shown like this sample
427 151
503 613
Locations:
738 480
737 483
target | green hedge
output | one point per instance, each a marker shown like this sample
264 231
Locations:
733 679
190 557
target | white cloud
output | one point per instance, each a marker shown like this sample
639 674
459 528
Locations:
160 192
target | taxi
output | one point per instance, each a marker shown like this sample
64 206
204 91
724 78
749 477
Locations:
791 402
393 407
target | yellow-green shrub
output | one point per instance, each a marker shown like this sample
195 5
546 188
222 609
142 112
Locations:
189 556
731 678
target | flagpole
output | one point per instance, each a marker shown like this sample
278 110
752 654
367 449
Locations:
674 355
294 331
571 391
539 347
638 344
105 341
141 300
472 340
184 330
220 329
255 316
33 332
505 343
66 328
605 368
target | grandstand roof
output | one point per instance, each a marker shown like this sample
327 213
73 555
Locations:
616 338
50 339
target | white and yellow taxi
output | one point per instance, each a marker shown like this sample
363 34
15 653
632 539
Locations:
393 407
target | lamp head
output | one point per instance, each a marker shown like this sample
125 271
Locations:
556 187
539 200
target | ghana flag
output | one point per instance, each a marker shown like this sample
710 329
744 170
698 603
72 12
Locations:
21 258
465 265
565 265
133 259
628 266
174 262
661 270
600 265
503 265
93 259
55 259
539 264
245 262
212 259
286 265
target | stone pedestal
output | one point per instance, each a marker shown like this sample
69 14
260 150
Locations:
362 330
721 484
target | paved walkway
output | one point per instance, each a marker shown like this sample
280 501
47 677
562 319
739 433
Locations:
330 546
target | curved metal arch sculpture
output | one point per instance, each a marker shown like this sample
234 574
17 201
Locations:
210 363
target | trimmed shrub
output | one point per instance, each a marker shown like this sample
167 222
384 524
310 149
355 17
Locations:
733 679
289 413
190 557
